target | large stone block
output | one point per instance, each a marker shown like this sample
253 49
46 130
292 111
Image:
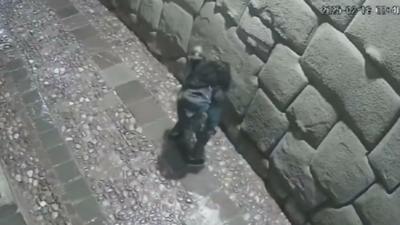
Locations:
346 215
294 212
379 41
293 20
234 9
336 67
385 159
264 123
291 161
131 6
192 6
340 20
150 12
376 207
282 76
313 115
256 35
174 30
341 166
209 31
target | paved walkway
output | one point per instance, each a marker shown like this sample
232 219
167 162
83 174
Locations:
83 109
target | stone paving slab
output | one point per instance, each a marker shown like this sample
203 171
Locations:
118 74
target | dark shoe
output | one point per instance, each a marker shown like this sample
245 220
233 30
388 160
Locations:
196 157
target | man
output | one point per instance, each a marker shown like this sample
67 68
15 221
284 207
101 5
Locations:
200 104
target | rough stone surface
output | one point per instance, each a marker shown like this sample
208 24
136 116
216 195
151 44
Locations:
291 161
293 20
282 76
192 6
256 35
340 165
234 9
312 115
342 20
6 197
133 5
371 36
209 31
263 122
174 30
352 83
385 158
330 216
150 12
295 213
378 207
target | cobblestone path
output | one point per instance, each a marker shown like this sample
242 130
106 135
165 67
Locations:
83 108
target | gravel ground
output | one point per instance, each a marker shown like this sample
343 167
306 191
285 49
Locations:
118 162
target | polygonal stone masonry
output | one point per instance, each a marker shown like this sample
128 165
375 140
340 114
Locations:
263 123
340 165
150 12
192 6
293 20
385 158
256 35
377 36
313 115
377 207
339 20
330 216
174 30
234 9
290 161
282 76
367 101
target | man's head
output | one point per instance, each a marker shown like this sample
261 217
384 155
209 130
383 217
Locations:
215 73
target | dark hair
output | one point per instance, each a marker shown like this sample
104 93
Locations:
216 73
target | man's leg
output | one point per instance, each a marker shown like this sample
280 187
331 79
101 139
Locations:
177 131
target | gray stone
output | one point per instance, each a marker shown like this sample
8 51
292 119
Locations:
174 30
385 158
293 20
157 129
379 41
340 20
84 32
59 154
256 35
150 12
294 212
6 197
104 59
67 11
75 21
376 207
282 76
330 216
291 161
16 219
88 209
313 115
228 209
132 6
264 123
202 183
210 32
192 6
344 75
234 9
118 74
341 166
132 92
51 138
147 111
67 171
77 190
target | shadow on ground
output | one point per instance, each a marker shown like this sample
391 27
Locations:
171 163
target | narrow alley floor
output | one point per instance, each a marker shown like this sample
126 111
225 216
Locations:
83 107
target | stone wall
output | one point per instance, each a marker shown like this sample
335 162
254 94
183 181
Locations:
314 105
